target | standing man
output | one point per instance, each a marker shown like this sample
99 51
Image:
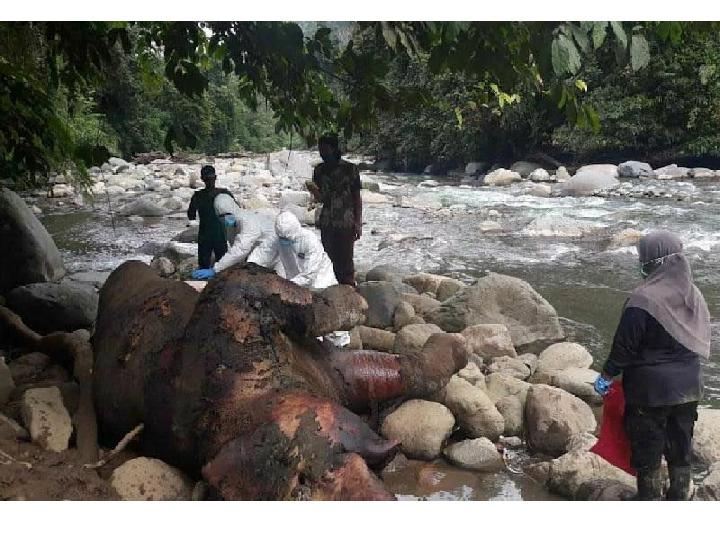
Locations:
211 236
336 184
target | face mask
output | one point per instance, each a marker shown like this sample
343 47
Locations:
285 242
650 266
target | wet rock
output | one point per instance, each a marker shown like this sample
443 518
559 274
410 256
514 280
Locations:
472 374
560 226
539 175
559 357
96 279
706 438
398 463
29 367
475 454
540 190
403 316
511 409
145 479
525 168
570 472
709 490
410 340
499 299
424 283
144 207
382 298
7 385
447 288
579 382
29 252
376 339
50 307
421 427
10 426
475 412
164 266
671 172
422 304
605 168
540 472
584 184
634 169
46 418
384 272
501 177
562 175
500 385
553 416
515 367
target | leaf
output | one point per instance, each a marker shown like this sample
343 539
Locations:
593 117
581 38
565 56
581 85
599 31
639 52
459 117
619 33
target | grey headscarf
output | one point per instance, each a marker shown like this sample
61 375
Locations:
669 294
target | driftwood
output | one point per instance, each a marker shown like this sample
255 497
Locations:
119 448
79 351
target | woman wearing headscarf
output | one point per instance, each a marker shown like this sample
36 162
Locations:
663 334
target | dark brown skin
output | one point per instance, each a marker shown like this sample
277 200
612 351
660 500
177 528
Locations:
233 382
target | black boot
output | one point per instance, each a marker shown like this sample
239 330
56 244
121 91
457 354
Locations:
680 479
649 485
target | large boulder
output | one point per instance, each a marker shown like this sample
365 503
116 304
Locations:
50 307
421 303
511 409
474 410
709 490
576 472
447 288
145 207
539 175
46 418
500 299
146 479
585 183
553 416
404 314
604 168
525 168
472 374
376 339
411 339
706 438
476 454
500 385
562 175
671 172
384 272
515 367
489 340
579 382
559 357
421 427
634 169
501 177
29 252
382 298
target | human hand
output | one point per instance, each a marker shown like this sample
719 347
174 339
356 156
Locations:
203 273
602 385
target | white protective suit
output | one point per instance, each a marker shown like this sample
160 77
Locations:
252 230
302 260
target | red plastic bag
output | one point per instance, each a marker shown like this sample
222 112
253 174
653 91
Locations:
613 444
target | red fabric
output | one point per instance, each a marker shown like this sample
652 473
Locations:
613 444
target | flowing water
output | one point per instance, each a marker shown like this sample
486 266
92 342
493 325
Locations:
561 246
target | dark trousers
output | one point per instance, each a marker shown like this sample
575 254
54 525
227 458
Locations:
340 246
654 431
207 247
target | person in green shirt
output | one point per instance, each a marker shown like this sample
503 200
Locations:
211 236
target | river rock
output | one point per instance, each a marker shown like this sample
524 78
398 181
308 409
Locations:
475 412
586 183
489 340
410 340
164 266
7 385
421 427
29 367
447 288
562 175
422 304
29 252
50 307
539 175
511 409
474 168
404 314
46 418
424 283
472 374
114 190
709 490
96 279
553 416
540 472
117 162
604 168
634 169
515 367
500 299
540 190
706 438
701 172
144 207
579 382
501 177
625 238
475 454
298 198
525 168
61 190
382 298
558 357
146 479
570 472
384 272
500 385
671 172
376 339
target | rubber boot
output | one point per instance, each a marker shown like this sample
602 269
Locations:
680 480
649 485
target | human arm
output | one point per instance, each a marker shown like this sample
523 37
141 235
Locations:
627 343
192 209
244 243
311 264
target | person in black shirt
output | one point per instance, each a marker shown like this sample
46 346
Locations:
663 333
211 236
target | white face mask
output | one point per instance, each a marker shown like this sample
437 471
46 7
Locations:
644 272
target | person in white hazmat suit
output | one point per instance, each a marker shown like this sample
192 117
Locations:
302 260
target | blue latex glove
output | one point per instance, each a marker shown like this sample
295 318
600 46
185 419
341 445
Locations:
203 273
602 385
230 220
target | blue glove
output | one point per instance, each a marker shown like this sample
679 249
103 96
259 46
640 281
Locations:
203 273
230 220
602 385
